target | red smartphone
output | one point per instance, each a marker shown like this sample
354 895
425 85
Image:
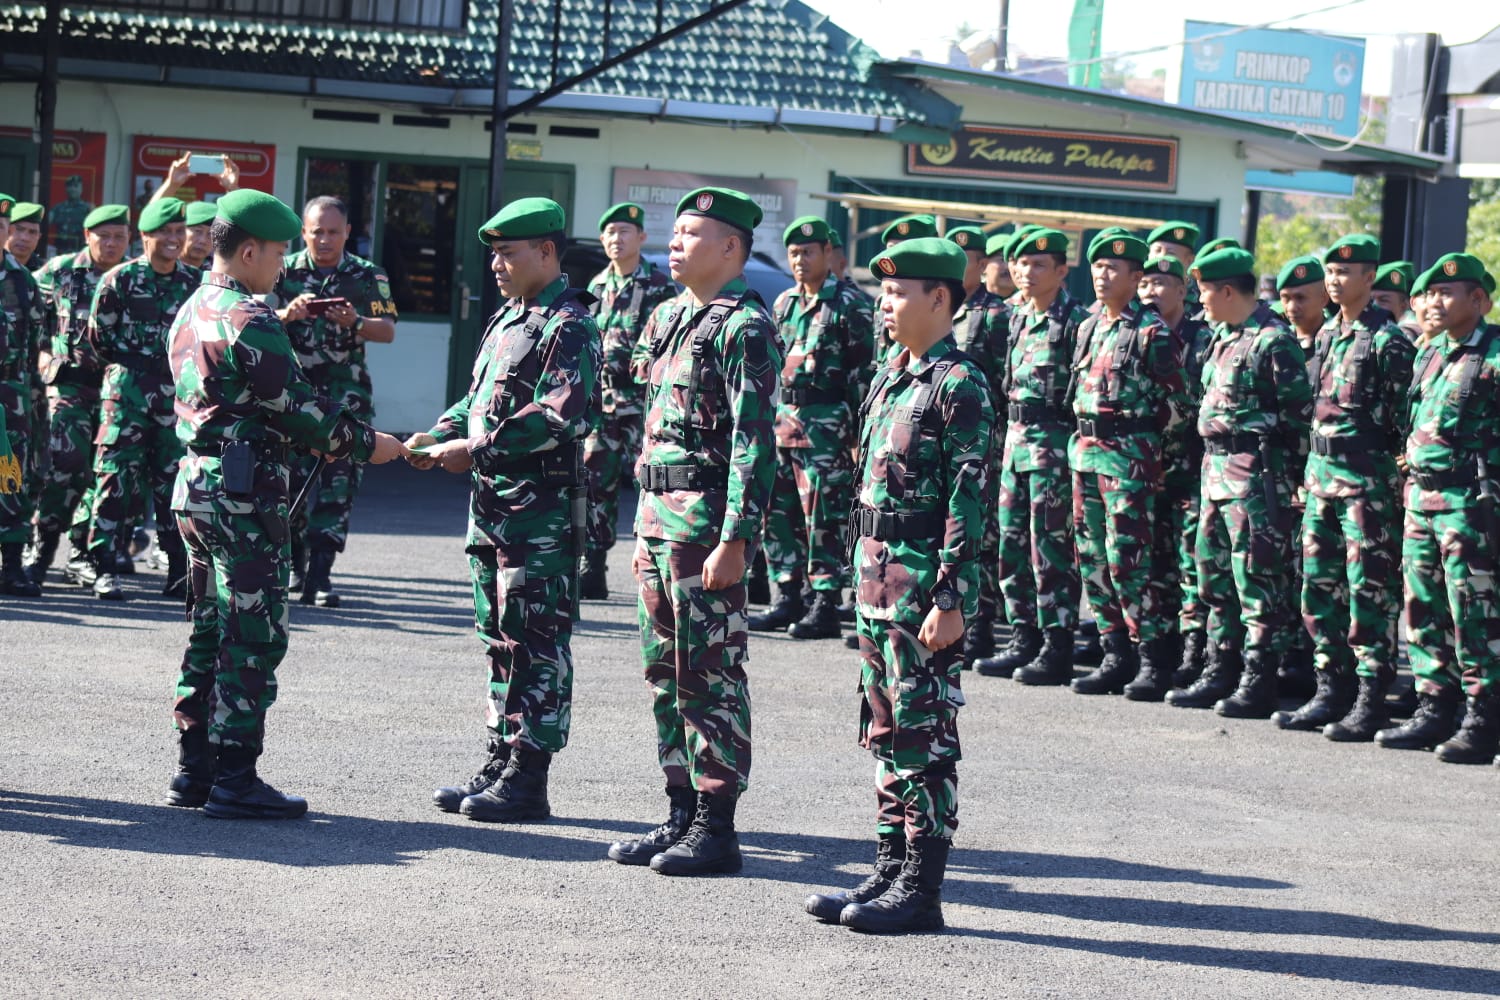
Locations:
321 307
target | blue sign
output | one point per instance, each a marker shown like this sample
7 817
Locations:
1325 183
1290 78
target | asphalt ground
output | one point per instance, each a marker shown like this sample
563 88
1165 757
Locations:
1106 849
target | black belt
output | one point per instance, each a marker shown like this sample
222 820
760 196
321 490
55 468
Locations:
809 395
266 451
556 467
1106 426
144 365
1463 476
1036 413
704 479
73 375
1348 444
1232 444
891 526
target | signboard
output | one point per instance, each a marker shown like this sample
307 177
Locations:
77 185
1041 156
659 191
151 160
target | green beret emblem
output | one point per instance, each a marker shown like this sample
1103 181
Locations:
887 265
1118 246
1300 272
1396 277
962 239
1179 234
1041 244
705 202
1346 251
903 228
633 211
5 204
807 229
1164 265
1450 267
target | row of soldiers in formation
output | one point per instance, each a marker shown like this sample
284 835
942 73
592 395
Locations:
85 383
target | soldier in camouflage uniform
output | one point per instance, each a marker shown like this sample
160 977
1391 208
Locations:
67 284
26 234
22 330
1127 390
137 449
1360 372
330 345
1253 419
242 402
520 429
1179 239
629 290
827 337
908 227
705 474
1038 575
198 251
1452 528
923 489
1392 293
996 274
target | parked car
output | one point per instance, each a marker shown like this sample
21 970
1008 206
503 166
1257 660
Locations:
582 259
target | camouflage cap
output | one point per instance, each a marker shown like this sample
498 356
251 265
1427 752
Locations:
201 212
727 205
1453 267
1040 240
924 257
162 212
524 219
107 215
806 229
1126 247
1166 264
1222 264
1298 271
262 215
625 211
1396 276
1216 244
1184 234
1356 248
910 227
26 211
968 237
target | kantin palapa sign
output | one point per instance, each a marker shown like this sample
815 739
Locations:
1044 156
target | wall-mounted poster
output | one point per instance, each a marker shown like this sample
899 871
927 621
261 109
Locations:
77 184
152 156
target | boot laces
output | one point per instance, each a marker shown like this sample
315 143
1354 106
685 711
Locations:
698 831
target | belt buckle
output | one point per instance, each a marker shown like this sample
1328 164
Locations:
1087 427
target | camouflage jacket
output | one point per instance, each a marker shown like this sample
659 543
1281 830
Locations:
533 397
132 312
328 352
939 466
68 283
828 343
982 329
1182 448
730 425
237 379
1444 433
1129 369
1039 356
625 306
1254 385
1364 397
25 320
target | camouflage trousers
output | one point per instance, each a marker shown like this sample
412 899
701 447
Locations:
809 515
523 611
693 644
1299 643
1174 567
1112 519
1452 610
137 457
1242 571
1351 581
989 543
908 718
1038 575
74 420
16 508
238 580
607 453
323 518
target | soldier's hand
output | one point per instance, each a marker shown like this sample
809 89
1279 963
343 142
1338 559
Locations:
941 629
453 456
725 565
416 461
296 309
343 316
178 172
230 175
386 448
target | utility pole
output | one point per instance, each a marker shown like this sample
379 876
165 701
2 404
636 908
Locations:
1002 40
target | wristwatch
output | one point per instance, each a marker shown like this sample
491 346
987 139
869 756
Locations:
359 324
945 599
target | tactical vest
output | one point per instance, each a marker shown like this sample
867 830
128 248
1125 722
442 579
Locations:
1472 361
1128 354
712 321
518 349
1056 330
832 380
913 416
1362 355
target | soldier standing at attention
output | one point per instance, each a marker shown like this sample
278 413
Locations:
705 472
1452 529
241 403
1392 293
1253 419
72 373
330 344
997 279
1180 239
827 333
908 227
26 234
198 251
628 292
1038 575
1360 372
22 329
838 260
923 486
137 445
519 430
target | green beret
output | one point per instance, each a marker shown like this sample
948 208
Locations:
967 237
263 216
834 239
996 245
1396 276
1107 233
1040 240
922 257
108 215
6 201
1300 271
725 204
1355 248
1453 267
1217 244
201 212
1117 247
25 211
161 212
625 211
1488 281
524 219
1017 237
1227 262
1179 232
1166 264
910 227
807 229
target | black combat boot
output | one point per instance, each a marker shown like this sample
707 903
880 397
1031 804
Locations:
710 846
1053 665
846 610
1331 701
1478 738
592 585
1434 721
821 620
1402 702
914 901
14 580
299 564
758 583
39 557
979 639
317 585
1024 645
1090 651
195 769
1255 698
239 793
1119 665
1368 716
107 585
1295 677
788 608
175 586
1154 679
450 797
682 804
520 796
890 855
1220 674
1190 666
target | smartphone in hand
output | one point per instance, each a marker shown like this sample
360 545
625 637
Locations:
322 307
206 163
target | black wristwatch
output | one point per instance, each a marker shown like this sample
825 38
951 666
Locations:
945 599
359 324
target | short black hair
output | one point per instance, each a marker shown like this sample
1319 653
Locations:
1245 284
228 238
326 201
956 294
559 241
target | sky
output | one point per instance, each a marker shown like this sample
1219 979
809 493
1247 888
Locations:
897 27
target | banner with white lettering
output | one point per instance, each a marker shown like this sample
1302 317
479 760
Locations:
659 191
